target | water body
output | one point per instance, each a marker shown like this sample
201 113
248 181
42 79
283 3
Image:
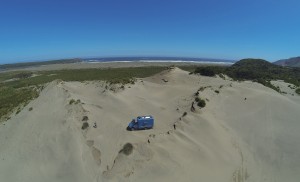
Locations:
159 59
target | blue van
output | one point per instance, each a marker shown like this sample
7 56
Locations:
141 123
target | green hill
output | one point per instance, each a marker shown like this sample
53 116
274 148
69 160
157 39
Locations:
257 70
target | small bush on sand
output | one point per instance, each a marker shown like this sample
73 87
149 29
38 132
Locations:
184 114
85 125
30 109
127 149
197 99
201 89
298 91
18 111
85 118
72 101
217 91
201 103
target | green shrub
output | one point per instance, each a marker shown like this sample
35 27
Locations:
257 70
127 149
201 103
72 101
207 71
30 109
222 76
197 99
201 89
18 111
85 118
85 125
217 91
184 114
298 91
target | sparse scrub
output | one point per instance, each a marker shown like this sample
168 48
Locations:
127 149
30 109
16 92
184 114
222 76
85 125
217 91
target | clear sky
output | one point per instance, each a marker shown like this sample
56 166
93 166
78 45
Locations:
230 29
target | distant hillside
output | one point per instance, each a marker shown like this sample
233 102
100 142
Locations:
30 64
257 70
292 62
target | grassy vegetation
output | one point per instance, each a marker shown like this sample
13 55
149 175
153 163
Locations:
29 64
11 98
256 70
113 75
22 87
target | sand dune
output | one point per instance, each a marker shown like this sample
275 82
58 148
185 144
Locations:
246 132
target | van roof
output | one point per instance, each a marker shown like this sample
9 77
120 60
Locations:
144 117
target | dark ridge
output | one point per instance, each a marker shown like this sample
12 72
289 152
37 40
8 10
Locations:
291 62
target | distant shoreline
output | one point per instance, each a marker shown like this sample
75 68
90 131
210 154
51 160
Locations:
107 63
161 61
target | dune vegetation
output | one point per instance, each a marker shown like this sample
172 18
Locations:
298 91
256 70
18 88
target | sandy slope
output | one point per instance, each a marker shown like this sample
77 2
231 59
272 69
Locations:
231 139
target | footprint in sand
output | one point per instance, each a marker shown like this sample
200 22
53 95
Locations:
95 152
97 155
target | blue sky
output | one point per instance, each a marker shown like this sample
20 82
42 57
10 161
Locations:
232 29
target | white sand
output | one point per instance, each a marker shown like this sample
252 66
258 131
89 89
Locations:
231 139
